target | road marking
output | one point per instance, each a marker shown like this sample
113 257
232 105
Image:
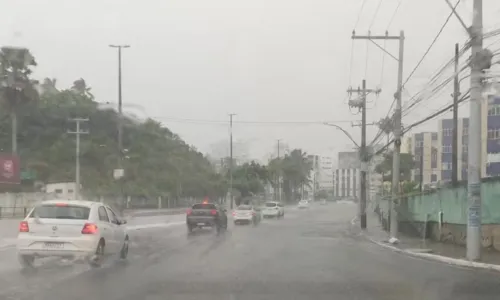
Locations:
154 225
353 221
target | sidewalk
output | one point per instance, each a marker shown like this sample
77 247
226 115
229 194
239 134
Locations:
449 253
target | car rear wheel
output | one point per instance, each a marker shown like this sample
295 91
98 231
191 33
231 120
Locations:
27 261
124 251
96 260
190 228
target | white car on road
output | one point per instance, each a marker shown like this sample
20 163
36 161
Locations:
71 229
303 204
273 209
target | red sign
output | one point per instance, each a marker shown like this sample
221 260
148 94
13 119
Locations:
9 169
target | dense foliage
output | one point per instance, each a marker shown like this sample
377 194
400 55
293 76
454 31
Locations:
157 162
36 119
406 165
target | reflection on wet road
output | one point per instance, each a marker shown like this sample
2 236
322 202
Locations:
310 254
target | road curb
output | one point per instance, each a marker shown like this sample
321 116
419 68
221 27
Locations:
436 257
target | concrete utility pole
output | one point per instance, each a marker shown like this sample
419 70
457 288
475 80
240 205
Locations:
279 171
120 112
78 131
397 122
456 94
422 171
361 104
231 160
474 169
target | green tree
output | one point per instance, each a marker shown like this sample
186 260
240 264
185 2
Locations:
295 169
249 180
157 163
16 86
406 165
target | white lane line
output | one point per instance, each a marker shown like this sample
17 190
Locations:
154 225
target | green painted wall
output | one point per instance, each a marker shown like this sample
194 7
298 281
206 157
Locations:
452 202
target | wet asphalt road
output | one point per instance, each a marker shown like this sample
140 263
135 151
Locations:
310 254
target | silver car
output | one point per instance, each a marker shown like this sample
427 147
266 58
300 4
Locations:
246 214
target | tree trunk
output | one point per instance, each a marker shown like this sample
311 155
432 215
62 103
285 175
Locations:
13 118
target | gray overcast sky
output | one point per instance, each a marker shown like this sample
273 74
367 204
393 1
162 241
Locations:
265 60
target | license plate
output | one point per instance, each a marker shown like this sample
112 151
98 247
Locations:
53 245
200 224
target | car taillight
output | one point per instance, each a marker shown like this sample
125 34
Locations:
189 211
89 228
24 227
213 212
254 213
234 213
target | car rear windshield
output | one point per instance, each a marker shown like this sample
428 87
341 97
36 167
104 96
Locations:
271 204
204 206
53 211
244 207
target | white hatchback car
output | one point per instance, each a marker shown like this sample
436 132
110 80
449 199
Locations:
303 204
273 209
71 229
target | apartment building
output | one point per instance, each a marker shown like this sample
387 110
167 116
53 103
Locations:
424 147
490 142
346 176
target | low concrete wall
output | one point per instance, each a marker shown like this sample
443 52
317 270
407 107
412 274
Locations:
17 204
452 233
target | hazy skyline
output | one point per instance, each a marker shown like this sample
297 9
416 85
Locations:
277 64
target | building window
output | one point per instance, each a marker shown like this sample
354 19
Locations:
446 166
465 148
419 144
465 131
494 110
494 134
446 149
434 178
447 131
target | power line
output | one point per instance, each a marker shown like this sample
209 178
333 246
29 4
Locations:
359 13
376 13
394 14
221 122
430 117
432 44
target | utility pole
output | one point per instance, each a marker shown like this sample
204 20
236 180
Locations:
422 170
231 160
78 131
361 104
397 123
474 165
120 112
119 173
479 61
279 171
456 94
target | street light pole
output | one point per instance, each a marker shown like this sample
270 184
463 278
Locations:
120 119
231 160
120 112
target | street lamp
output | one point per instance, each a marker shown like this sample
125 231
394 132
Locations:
344 131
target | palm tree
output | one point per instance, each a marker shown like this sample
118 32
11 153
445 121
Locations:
16 87
296 168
